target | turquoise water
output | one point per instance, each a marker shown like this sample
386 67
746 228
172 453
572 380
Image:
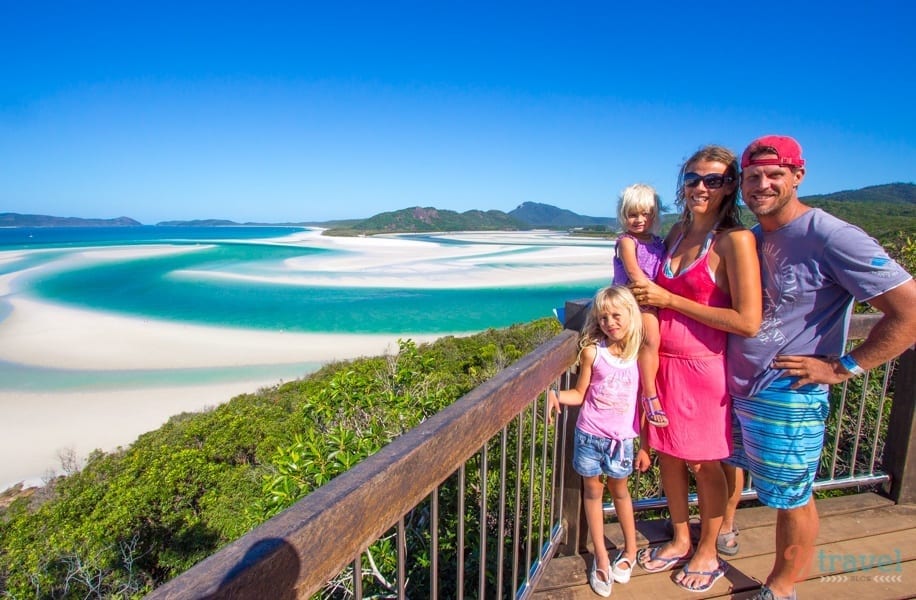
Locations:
161 287
270 279
239 277
22 378
12 238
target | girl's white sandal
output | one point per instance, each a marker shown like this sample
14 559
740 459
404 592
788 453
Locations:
621 574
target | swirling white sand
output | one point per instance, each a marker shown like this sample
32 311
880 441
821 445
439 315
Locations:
38 426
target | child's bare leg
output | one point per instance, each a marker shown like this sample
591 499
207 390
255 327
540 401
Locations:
623 505
593 495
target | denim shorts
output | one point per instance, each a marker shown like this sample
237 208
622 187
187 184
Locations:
594 455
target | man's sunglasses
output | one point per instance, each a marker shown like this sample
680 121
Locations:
713 181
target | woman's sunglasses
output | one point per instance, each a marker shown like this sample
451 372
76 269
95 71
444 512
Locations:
713 181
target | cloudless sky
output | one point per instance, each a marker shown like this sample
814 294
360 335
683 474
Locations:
272 112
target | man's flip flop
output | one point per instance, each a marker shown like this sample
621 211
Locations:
714 576
648 555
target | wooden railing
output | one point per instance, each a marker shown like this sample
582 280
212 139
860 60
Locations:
296 553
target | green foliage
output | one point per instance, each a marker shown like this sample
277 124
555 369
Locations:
902 248
880 219
132 519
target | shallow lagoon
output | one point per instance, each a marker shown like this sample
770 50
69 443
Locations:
130 325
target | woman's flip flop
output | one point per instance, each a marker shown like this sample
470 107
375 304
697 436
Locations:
650 555
714 576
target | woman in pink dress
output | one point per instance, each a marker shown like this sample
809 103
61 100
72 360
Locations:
708 287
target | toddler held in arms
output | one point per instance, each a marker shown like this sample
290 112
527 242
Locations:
637 257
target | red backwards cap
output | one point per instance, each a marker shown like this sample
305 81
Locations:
788 152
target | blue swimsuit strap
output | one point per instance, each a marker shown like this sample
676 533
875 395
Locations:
707 242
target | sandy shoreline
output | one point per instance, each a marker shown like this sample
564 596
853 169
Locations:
39 333
38 425
50 423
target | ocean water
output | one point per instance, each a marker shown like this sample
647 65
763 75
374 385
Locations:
239 279
12 238
277 279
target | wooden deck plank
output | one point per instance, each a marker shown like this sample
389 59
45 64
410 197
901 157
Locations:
756 534
895 578
853 588
856 532
857 587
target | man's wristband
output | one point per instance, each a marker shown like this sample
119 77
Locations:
850 364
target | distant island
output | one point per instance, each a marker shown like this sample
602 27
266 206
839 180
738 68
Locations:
18 220
528 215
200 223
878 209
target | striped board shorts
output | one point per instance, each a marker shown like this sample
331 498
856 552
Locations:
778 436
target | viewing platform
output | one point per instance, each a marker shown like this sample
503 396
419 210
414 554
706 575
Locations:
866 548
479 501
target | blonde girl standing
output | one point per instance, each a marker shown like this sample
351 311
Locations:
607 389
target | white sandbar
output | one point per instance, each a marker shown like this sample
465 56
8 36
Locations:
39 333
37 426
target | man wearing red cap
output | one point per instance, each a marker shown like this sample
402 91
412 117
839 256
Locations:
813 266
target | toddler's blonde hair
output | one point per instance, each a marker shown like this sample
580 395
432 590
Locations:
639 197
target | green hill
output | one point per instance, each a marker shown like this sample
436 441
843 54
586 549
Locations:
884 211
528 215
418 220
892 193
545 215
199 223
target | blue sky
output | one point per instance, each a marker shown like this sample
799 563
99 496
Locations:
273 112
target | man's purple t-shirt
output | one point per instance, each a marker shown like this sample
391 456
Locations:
812 268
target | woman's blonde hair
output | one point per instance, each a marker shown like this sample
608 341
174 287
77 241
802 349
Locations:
620 297
639 197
